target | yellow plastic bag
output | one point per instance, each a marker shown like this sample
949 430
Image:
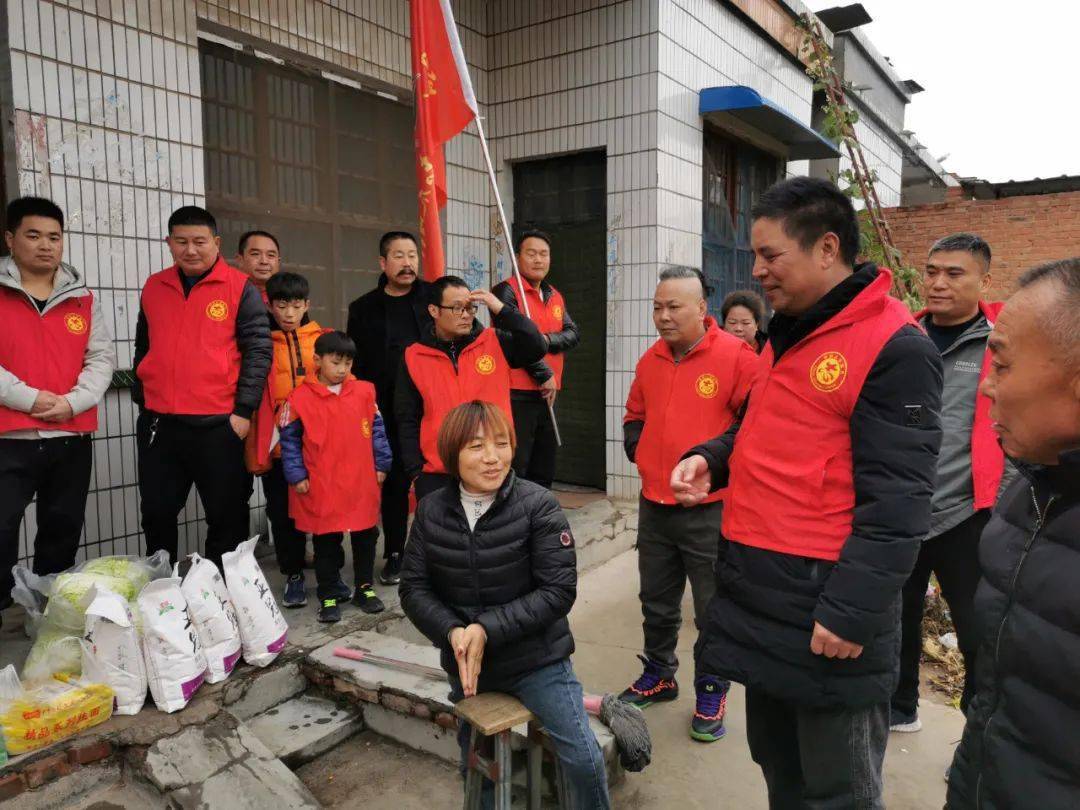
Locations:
49 711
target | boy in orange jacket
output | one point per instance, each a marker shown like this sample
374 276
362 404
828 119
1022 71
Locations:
293 339
335 456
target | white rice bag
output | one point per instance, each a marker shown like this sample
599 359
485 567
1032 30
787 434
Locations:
214 616
263 629
111 652
175 664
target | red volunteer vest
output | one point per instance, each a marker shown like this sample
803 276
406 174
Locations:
791 487
686 403
339 455
548 318
45 351
193 362
482 373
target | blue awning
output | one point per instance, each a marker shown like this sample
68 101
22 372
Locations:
748 107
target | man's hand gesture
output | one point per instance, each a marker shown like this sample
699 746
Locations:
691 480
827 643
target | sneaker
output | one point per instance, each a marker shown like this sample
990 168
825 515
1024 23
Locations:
329 611
341 592
391 573
367 601
903 722
295 592
652 686
708 722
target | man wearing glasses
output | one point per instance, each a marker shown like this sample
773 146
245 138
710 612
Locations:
456 361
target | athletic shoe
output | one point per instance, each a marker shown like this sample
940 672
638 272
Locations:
367 601
340 591
903 722
391 573
708 722
656 684
329 611
295 592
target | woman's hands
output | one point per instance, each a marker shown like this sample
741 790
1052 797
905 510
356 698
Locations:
468 646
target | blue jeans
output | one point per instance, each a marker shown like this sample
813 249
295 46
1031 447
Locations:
554 695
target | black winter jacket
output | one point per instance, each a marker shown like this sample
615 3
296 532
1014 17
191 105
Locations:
515 574
377 360
521 343
1021 745
558 342
758 626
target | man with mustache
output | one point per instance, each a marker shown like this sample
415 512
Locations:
383 323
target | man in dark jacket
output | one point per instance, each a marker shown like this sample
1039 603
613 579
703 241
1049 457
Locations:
831 471
202 353
455 361
383 323
533 389
1021 745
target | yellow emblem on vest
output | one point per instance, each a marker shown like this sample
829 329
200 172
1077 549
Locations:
75 323
217 310
707 386
365 428
485 364
828 372
556 312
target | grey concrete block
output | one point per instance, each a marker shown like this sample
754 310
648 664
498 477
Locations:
251 784
300 729
422 735
190 757
253 696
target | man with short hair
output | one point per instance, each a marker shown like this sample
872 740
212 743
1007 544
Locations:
830 474
687 388
383 323
56 362
1022 736
970 465
455 361
202 354
258 256
533 389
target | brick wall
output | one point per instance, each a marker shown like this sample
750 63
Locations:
1022 231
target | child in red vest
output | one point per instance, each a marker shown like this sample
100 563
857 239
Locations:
293 338
335 456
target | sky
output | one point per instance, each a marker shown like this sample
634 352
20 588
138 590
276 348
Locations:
1002 81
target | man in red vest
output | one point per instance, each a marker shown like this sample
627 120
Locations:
687 388
202 353
455 361
56 362
532 389
830 473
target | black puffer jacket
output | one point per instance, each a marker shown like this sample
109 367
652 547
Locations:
1021 745
515 574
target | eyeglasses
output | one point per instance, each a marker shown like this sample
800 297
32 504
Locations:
460 309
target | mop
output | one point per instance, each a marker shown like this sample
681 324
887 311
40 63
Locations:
626 723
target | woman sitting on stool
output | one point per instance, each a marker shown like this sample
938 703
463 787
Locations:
489 576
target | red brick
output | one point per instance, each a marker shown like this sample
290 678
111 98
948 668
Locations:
447 721
45 770
86 754
11 786
422 711
397 703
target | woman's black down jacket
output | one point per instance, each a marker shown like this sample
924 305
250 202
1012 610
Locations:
515 574
1021 745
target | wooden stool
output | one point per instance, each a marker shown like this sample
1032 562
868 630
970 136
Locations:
493 714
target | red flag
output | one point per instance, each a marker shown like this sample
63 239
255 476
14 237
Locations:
445 103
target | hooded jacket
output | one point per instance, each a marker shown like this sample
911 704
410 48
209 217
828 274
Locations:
83 384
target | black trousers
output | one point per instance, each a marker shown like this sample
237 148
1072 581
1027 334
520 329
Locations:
534 459
394 509
817 758
173 455
426 483
330 558
954 557
289 543
57 471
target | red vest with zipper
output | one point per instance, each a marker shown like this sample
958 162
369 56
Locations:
548 318
194 362
45 351
482 373
339 455
683 404
791 487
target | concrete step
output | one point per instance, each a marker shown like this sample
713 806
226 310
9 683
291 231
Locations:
301 729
